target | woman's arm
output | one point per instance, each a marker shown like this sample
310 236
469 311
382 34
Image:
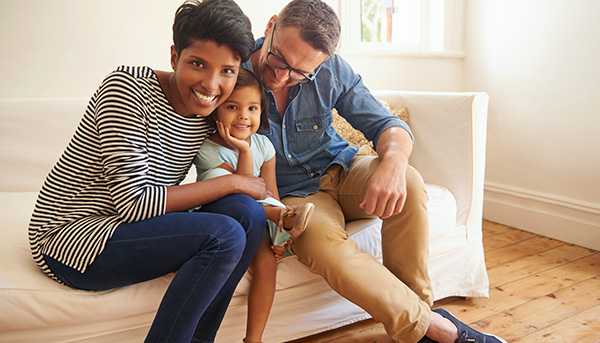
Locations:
183 197
121 126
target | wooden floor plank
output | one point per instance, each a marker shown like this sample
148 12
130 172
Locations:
493 242
543 312
520 250
533 264
581 328
526 289
364 331
494 228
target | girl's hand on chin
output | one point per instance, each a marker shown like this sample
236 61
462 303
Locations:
238 144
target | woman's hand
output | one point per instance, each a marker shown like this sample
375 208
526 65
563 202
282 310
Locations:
250 185
238 144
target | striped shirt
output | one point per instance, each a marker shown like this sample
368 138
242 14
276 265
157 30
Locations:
129 146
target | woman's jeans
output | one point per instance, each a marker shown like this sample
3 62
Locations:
209 249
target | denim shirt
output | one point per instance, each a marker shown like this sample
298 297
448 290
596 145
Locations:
304 138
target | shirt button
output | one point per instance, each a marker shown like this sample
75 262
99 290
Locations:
283 126
315 127
289 155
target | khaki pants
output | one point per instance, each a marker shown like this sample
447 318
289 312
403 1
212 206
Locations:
397 293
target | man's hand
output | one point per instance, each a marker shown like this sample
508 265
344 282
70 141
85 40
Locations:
386 190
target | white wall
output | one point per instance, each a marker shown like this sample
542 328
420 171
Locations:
63 48
539 62
408 72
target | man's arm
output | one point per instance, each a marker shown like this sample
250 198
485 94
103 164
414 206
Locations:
386 190
355 103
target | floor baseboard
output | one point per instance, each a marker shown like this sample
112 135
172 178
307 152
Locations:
557 217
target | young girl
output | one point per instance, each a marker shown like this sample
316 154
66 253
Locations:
237 148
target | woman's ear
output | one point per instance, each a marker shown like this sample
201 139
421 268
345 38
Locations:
174 57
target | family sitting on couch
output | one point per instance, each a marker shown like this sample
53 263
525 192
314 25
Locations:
274 178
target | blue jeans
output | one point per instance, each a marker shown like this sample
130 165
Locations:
209 249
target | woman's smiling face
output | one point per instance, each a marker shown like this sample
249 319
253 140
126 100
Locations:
204 77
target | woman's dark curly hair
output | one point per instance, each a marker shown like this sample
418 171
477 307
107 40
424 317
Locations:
221 21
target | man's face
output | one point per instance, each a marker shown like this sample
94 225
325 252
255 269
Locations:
285 58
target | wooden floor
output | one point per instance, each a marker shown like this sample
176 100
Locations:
541 290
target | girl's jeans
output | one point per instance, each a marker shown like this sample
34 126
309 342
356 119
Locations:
209 250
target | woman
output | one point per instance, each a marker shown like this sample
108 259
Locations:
111 213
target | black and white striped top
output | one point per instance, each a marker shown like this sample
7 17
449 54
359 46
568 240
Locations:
129 146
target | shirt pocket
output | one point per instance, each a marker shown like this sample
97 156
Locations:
310 132
310 125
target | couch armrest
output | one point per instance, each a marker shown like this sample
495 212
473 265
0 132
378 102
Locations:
450 137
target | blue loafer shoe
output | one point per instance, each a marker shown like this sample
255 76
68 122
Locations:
426 340
467 334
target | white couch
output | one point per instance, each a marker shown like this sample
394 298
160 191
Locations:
450 130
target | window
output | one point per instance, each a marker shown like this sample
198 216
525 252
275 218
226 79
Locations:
402 26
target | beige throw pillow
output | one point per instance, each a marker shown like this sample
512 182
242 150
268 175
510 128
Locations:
355 137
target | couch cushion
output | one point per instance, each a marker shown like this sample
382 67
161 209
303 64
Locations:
355 137
33 135
29 299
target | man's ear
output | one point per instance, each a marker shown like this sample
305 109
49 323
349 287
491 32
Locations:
173 57
270 24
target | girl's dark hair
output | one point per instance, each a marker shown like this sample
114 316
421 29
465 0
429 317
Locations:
221 21
247 78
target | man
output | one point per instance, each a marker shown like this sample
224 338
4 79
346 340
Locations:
305 80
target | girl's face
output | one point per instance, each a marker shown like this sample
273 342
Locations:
241 112
205 74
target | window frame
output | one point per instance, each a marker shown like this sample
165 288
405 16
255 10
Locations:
349 12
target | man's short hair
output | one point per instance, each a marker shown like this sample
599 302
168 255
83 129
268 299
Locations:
318 24
221 21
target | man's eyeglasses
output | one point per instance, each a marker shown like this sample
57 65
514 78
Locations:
277 62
